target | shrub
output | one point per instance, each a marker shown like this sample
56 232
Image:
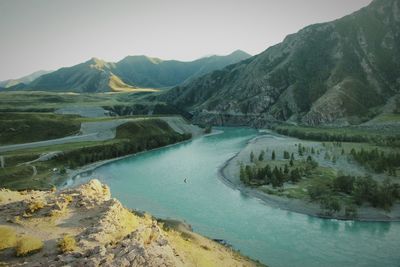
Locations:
319 189
28 245
344 184
63 170
261 156
286 155
8 237
365 189
330 204
295 175
68 198
67 243
35 205
378 195
350 211
207 129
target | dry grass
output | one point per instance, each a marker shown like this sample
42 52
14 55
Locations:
129 222
67 243
35 206
28 245
8 237
199 251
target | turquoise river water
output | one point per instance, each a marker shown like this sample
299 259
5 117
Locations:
154 182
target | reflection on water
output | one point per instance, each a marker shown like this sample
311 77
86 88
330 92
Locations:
373 228
329 225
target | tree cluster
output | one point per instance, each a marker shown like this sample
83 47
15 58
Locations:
318 134
90 154
360 189
377 160
272 175
252 175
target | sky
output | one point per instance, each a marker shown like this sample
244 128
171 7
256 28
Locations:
49 34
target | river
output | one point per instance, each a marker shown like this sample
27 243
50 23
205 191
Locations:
154 182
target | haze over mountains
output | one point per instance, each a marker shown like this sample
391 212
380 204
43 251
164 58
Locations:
130 74
340 72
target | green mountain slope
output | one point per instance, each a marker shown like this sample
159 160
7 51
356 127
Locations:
90 76
133 73
156 73
337 72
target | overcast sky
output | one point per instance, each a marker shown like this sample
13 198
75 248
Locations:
49 34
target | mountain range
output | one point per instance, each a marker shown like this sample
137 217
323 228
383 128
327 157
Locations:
340 72
133 73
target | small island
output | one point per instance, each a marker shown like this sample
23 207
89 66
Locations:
348 176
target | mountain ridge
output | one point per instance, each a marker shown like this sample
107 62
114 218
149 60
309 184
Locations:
133 73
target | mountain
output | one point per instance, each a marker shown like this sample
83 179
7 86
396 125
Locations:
25 80
156 73
133 73
338 72
91 76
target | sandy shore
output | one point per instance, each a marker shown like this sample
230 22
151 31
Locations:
229 174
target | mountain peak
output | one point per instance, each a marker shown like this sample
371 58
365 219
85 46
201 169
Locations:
97 63
141 58
95 60
239 52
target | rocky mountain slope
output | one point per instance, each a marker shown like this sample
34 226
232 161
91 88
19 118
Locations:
341 72
133 73
84 226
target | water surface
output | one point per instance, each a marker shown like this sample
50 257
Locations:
154 182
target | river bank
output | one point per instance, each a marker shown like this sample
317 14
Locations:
229 174
42 164
72 175
83 171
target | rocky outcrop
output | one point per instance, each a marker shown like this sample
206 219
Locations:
104 231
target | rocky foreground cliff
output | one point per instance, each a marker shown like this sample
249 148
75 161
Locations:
84 226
